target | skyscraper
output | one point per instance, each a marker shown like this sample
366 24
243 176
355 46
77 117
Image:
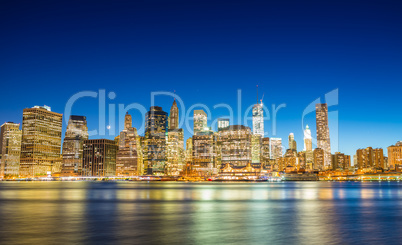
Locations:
276 148
10 149
99 158
308 144
323 140
76 133
127 160
204 153
256 147
200 121
236 145
41 141
292 142
318 156
156 122
174 116
175 143
258 120
265 151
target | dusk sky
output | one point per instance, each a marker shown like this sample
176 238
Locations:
205 51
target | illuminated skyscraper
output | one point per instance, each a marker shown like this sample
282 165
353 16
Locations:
236 145
156 122
318 162
189 150
10 149
256 144
276 148
127 160
204 153
323 140
174 116
175 144
223 123
292 142
99 158
41 141
258 120
200 121
308 144
76 133
265 151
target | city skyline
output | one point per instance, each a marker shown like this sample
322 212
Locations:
291 56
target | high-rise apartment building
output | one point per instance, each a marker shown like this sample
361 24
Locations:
99 158
76 133
156 122
41 141
10 149
370 158
323 139
340 161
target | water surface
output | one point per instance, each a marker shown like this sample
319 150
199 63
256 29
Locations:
200 213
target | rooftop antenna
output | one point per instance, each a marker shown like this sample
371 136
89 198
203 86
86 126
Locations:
262 98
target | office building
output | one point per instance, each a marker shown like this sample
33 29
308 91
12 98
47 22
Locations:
41 142
76 133
99 158
156 122
10 150
323 139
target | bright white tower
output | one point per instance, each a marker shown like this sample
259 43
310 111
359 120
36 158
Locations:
258 118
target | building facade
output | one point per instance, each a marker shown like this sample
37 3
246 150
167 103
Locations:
99 158
41 142
200 121
236 145
258 120
156 123
10 149
276 148
323 139
204 158
76 133
128 162
292 142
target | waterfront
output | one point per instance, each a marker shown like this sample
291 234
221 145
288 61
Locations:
200 213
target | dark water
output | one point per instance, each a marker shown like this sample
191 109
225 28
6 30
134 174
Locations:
200 213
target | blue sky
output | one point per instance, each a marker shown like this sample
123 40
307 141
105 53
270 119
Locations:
297 51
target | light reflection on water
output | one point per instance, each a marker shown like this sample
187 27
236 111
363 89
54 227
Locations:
200 213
